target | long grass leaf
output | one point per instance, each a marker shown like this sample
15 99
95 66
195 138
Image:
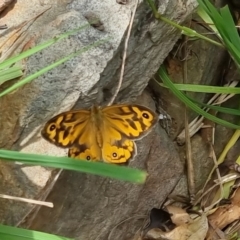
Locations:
204 88
14 233
10 73
38 48
226 28
163 75
185 30
230 111
53 65
97 168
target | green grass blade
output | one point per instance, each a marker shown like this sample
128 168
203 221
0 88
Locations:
10 73
185 30
229 26
38 48
97 168
234 52
208 89
42 71
230 111
14 233
207 19
163 75
205 88
225 25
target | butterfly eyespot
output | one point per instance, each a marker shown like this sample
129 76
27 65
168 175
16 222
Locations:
145 115
114 155
52 127
88 158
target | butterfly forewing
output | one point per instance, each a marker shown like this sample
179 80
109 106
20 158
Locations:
65 129
132 121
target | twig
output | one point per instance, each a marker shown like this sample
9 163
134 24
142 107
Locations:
31 214
124 55
2 27
224 179
189 161
206 209
27 200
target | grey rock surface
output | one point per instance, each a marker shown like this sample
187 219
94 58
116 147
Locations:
90 207
82 81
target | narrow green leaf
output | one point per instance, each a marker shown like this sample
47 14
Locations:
10 73
14 233
97 168
218 108
53 65
163 75
225 25
38 48
207 20
185 30
229 26
205 88
208 89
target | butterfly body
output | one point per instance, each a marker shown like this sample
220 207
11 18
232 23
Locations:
101 134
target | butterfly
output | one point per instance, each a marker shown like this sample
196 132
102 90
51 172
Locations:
101 133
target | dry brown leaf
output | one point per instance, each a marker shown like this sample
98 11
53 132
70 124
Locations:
224 215
196 230
235 199
178 215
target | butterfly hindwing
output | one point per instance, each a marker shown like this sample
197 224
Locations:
86 152
119 151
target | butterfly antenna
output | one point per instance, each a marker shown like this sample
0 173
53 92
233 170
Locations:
124 55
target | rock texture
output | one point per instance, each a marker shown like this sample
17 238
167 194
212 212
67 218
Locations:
89 207
86 207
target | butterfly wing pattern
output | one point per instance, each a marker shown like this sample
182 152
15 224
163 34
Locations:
101 134
74 130
120 126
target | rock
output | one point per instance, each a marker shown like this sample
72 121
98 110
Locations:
94 206
84 80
